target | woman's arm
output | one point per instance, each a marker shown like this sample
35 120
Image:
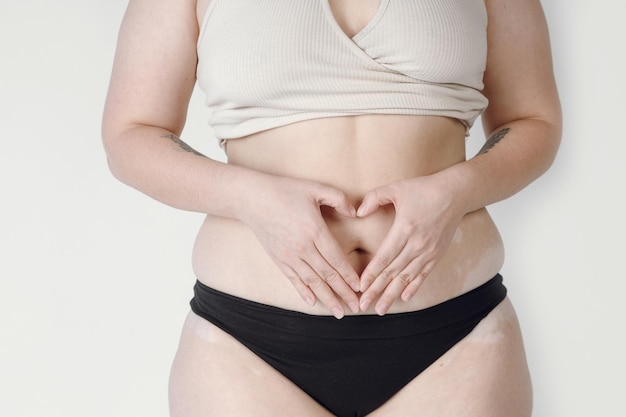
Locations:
151 84
523 122
152 80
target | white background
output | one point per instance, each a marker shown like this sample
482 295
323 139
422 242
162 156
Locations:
95 277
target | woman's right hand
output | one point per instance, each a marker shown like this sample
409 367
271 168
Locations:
284 213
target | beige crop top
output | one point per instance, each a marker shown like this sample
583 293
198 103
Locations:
268 63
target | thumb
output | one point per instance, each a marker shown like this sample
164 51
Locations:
337 199
373 200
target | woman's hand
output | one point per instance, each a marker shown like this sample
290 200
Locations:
427 216
285 216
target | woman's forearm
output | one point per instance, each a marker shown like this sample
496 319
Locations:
513 156
284 213
158 163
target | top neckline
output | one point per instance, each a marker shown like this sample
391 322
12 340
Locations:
382 7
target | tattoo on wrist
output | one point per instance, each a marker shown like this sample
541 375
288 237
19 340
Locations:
494 139
181 145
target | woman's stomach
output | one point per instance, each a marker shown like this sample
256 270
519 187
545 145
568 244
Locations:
355 155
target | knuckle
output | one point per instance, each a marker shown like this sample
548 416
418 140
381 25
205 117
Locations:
386 275
417 244
329 277
383 260
406 278
312 281
340 195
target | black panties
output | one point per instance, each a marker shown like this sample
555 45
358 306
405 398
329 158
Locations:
353 365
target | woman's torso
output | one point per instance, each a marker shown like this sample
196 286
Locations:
354 154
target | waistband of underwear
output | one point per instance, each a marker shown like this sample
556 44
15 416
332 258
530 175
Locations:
215 305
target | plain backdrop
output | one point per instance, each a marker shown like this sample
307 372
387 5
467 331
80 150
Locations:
95 277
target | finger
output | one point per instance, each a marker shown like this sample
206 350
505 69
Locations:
408 276
375 290
392 293
373 200
332 253
405 265
321 289
339 275
414 286
337 199
302 289
393 244
379 289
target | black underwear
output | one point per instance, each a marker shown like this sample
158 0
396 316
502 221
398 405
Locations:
353 365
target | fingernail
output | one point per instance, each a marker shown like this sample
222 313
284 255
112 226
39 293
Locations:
356 286
381 309
365 304
407 296
337 312
354 307
310 301
360 211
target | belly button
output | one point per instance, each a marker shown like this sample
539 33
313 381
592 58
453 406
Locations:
358 258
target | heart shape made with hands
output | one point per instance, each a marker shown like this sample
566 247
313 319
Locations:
399 232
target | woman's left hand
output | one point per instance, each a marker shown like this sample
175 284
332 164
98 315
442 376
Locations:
427 216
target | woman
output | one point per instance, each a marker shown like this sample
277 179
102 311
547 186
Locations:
347 193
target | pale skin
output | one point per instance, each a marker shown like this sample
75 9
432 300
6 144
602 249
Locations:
346 223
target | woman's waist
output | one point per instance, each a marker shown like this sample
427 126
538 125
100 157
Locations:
228 257
355 153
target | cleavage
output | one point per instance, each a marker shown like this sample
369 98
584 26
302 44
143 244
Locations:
352 16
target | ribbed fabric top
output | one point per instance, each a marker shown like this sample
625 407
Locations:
268 63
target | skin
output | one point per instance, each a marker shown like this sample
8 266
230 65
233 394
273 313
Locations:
344 223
